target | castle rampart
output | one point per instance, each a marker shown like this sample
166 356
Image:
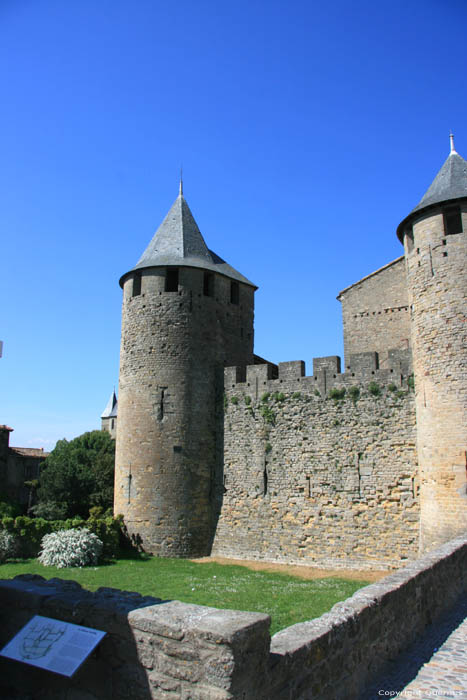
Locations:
329 481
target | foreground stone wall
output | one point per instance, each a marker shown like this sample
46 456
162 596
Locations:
152 649
316 480
155 650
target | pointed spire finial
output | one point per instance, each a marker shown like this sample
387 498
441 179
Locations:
451 137
181 181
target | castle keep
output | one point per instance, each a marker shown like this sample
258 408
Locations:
219 451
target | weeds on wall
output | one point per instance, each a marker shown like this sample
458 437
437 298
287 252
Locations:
374 389
337 394
354 393
234 400
268 414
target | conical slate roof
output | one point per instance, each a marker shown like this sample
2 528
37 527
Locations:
449 184
110 410
179 242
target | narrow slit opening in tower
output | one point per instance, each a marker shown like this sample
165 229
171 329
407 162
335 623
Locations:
136 291
208 284
171 279
452 220
234 293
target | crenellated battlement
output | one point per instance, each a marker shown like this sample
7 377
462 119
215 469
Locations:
362 368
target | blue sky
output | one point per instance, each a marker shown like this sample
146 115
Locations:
306 131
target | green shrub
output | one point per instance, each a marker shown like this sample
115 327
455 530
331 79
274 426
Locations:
392 387
374 389
296 395
30 531
268 448
354 393
278 396
337 394
234 400
247 400
9 508
77 547
265 397
411 382
317 392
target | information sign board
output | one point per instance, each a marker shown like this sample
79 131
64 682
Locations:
53 645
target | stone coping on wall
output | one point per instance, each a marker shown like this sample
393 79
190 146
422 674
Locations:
155 649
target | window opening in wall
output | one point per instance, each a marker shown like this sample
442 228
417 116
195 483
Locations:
409 237
452 221
136 284
112 424
171 279
208 284
234 293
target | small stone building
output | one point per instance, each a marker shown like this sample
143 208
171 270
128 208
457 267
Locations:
17 466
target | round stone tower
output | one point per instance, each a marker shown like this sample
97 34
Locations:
434 235
186 314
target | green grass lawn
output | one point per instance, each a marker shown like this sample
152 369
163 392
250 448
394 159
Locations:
287 599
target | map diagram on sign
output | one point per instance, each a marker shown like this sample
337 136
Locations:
53 645
40 639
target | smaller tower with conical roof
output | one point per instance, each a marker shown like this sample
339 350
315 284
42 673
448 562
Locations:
435 241
186 315
109 416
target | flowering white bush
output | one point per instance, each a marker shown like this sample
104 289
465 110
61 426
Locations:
78 547
7 545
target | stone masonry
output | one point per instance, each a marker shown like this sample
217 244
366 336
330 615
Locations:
375 313
316 480
437 277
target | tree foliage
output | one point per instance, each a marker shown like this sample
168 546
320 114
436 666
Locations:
77 475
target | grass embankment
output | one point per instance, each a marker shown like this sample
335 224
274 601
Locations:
287 599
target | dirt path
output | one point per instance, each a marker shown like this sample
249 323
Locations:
307 572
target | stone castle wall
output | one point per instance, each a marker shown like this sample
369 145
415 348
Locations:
375 313
437 279
319 480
